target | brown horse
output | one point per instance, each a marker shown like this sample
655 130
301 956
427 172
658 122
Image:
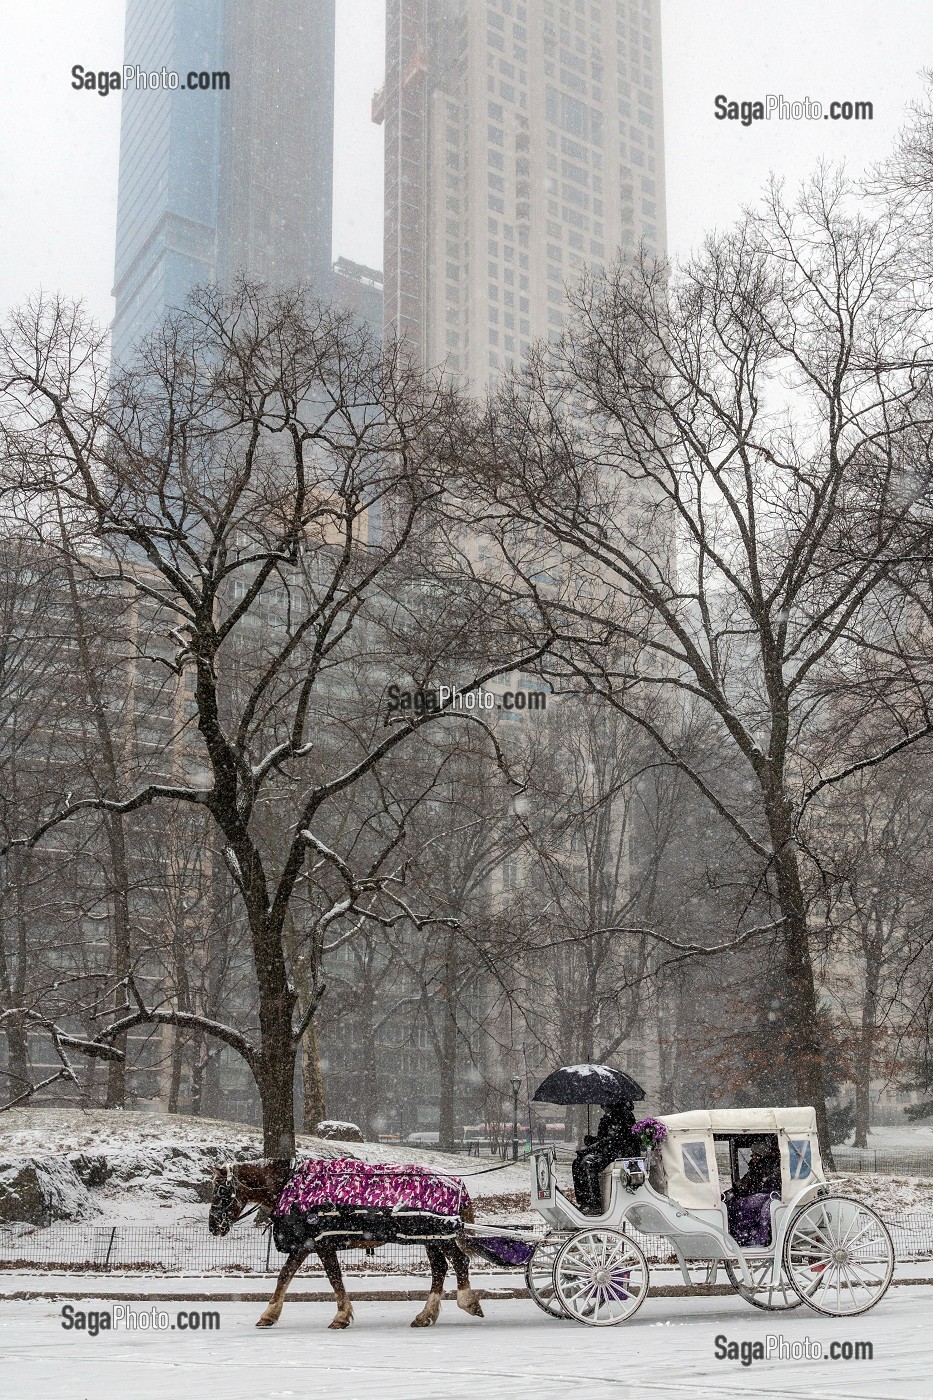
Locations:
237 1186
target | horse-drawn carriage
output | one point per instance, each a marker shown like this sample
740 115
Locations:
796 1244
830 1252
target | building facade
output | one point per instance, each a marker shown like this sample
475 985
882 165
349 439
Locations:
234 179
523 144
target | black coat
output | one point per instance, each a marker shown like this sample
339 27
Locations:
614 1137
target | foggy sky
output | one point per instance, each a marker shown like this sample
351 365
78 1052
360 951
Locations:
59 148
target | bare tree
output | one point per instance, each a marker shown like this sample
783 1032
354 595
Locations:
271 483
723 456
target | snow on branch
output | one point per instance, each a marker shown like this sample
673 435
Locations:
61 1040
148 794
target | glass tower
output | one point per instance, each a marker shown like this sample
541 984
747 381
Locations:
218 183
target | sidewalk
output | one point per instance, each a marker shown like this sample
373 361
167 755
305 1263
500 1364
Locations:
18 1286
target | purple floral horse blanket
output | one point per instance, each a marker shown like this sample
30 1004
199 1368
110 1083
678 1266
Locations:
345 1181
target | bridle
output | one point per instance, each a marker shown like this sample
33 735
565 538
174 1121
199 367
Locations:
223 1200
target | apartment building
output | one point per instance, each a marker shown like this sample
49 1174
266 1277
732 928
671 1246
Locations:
523 144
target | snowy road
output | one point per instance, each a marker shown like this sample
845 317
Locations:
516 1351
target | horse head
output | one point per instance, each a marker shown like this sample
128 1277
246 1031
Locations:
226 1205
237 1185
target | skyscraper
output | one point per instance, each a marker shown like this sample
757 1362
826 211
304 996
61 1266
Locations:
218 182
523 142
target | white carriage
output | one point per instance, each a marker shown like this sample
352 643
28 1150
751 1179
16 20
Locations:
831 1252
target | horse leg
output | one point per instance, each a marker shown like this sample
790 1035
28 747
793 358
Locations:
287 1272
327 1254
467 1296
438 1261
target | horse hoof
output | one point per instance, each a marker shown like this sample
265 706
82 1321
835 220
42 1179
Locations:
421 1321
267 1322
339 1324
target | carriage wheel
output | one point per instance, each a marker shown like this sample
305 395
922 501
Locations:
539 1275
601 1277
839 1256
763 1294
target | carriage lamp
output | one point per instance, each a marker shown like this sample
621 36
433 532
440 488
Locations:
635 1172
516 1085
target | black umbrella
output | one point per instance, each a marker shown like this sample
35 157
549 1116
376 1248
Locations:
588 1084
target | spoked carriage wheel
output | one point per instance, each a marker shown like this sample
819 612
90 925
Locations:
601 1277
763 1294
839 1256
539 1275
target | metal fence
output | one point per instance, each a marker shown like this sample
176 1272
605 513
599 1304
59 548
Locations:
180 1250
191 1250
887 1163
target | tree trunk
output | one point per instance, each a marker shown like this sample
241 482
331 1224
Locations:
275 1065
448 1056
18 1055
863 1068
448 1079
803 1048
275 1080
175 1077
120 964
14 1027
312 1078
197 1076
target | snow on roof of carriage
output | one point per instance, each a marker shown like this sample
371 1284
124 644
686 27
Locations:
742 1120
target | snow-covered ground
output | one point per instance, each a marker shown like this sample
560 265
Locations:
912 1137
667 1350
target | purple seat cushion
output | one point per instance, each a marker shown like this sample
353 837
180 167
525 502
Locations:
750 1219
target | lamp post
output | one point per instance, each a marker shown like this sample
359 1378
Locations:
516 1085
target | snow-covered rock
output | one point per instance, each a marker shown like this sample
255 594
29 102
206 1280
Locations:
40 1190
335 1131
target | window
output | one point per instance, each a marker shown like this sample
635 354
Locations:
696 1165
574 172
799 1155
510 873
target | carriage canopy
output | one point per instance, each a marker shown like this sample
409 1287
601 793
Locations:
688 1153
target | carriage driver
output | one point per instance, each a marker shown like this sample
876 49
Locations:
613 1139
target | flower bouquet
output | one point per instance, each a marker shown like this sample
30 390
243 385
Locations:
650 1134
